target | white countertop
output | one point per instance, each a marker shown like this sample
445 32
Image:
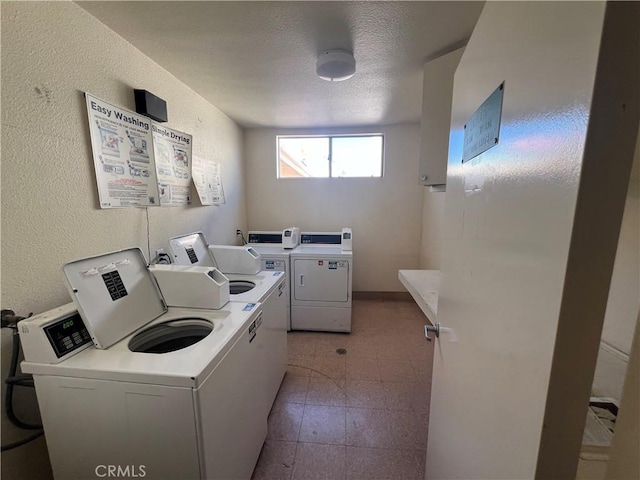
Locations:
424 287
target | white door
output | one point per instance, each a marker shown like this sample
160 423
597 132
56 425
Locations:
529 239
321 279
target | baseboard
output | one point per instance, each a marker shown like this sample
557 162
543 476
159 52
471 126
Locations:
383 296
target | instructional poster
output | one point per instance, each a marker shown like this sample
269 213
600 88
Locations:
122 155
207 178
173 164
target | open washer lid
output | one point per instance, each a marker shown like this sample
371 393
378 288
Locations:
191 249
115 294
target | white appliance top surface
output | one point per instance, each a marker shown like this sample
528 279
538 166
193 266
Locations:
266 282
319 249
188 367
115 294
275 250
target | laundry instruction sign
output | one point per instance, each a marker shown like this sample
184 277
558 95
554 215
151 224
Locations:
123 156
172 151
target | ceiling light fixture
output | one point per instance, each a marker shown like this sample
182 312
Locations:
335 65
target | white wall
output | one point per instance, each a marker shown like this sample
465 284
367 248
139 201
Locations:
432 225
49 198
51 53
385 213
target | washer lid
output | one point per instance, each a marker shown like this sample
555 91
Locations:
191 249
115 294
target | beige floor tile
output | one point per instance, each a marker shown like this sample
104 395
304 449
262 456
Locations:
364 330
392 352
362 346
301 343
365 393
386 429
284 421
276 461
422 364
412 338
300 366
384 464
327 351
323 424
368 428
396 370
385 419
326 391
293 389
329 367
332 337
369 317
404 337
328 344
407 396
423 353
373 326
361 368
319 462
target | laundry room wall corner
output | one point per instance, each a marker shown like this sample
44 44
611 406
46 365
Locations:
51 54
384 213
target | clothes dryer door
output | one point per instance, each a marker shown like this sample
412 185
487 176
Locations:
321 280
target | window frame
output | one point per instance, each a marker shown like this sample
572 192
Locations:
330 137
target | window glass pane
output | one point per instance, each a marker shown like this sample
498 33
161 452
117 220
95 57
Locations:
356 156
303 157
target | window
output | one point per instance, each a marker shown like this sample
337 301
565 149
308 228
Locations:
330 156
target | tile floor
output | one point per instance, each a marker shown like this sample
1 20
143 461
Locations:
361 415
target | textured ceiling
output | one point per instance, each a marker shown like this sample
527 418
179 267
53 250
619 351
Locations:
255 61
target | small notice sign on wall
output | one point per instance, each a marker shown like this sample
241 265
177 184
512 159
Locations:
482 131
207 177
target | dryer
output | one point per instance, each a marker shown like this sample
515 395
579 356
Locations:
267 287
321 288
275 256
169 393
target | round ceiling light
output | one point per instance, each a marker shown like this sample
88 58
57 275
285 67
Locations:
335 65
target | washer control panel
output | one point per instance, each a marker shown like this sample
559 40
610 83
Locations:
67 334
53 336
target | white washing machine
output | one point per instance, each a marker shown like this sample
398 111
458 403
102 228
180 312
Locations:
169 393
267 287
275 257
193 249
321 287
